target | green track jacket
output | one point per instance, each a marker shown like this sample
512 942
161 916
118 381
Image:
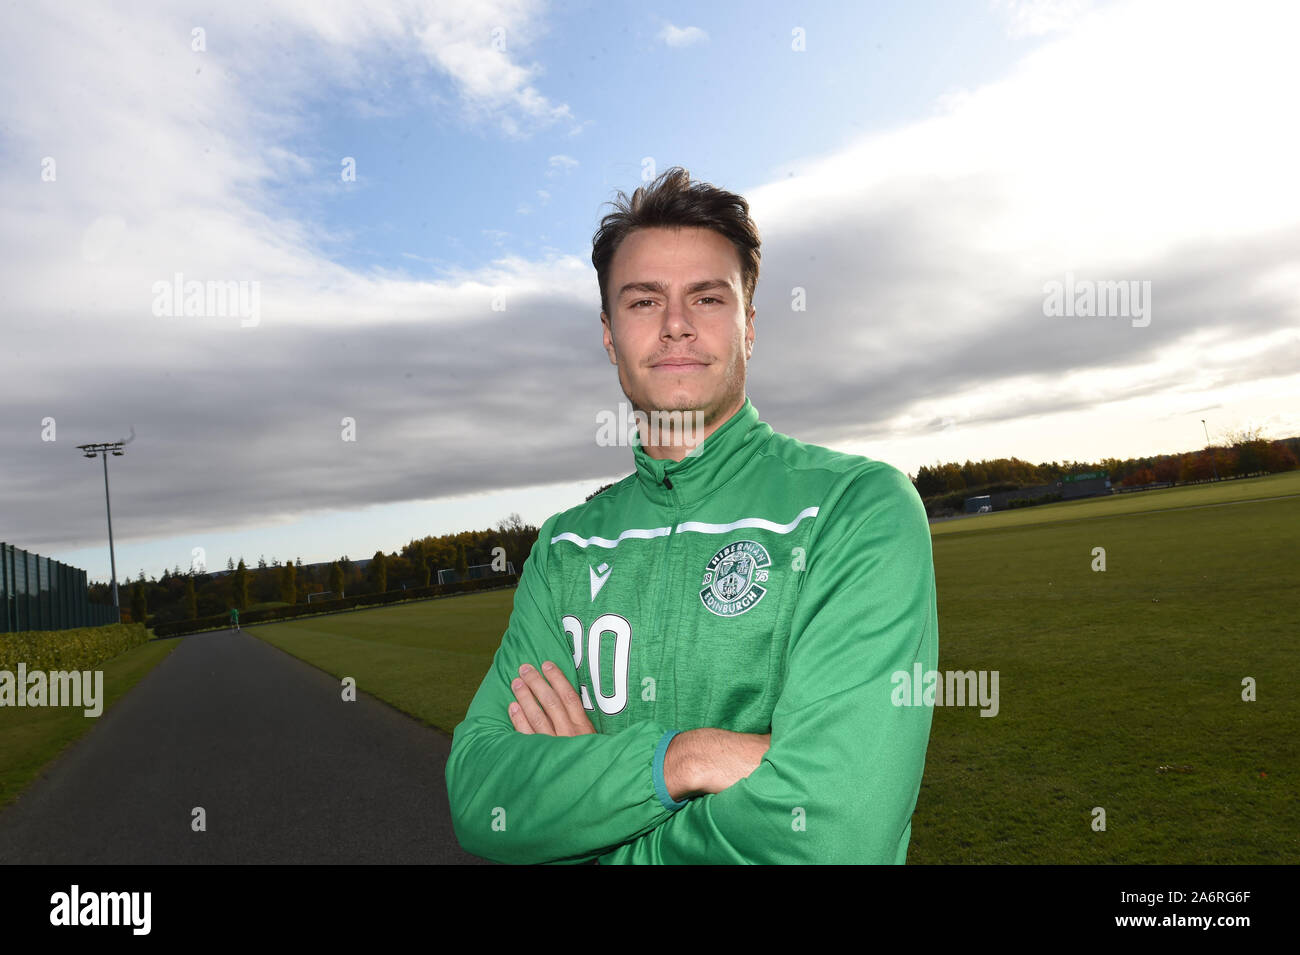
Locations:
758 585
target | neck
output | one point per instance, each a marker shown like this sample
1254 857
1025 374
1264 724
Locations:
671 435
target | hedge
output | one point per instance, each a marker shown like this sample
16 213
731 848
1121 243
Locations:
80 648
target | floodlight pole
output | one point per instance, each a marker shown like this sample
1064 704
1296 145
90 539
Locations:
103 451
112 557
1213 464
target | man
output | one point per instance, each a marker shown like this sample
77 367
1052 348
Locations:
234 617
716 633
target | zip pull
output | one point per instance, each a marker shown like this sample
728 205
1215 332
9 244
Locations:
667 483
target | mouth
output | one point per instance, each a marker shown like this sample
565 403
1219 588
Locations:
679 364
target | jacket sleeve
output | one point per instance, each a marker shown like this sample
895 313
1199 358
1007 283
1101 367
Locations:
524 798
840 780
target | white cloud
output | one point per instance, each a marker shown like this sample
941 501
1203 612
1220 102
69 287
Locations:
682 36
1112 151
1039 17
165 166
472 46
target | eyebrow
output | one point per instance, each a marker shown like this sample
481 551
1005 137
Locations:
660 289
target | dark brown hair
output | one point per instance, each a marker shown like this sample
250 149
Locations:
673 201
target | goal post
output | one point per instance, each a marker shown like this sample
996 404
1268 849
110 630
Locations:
476 572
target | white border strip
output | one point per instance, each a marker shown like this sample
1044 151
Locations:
701 528
638 533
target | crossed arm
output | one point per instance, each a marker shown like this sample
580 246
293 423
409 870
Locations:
697 762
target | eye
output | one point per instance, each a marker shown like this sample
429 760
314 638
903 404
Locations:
710 298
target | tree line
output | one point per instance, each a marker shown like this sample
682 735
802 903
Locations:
1245 452
187 595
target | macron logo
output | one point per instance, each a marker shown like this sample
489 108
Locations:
598 580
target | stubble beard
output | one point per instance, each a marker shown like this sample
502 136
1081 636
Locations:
680 399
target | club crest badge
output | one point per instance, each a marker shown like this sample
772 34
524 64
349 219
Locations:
732 579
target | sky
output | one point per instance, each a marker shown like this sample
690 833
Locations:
400 198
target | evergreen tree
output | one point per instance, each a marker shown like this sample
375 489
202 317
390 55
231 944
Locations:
191 599
336 578
139 609
289 584
378 572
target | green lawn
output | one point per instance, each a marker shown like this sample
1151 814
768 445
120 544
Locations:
32 736
1107 676
1104 677
425 657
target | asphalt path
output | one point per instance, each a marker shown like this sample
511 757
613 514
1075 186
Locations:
285 770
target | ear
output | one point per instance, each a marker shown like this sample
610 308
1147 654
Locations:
749 334
608 339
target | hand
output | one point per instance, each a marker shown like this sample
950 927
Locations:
709 760
548 706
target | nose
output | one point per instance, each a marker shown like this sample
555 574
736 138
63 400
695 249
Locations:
677 322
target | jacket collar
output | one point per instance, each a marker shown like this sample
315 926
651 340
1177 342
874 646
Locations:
713 463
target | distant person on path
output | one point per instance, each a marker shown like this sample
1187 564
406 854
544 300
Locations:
234 617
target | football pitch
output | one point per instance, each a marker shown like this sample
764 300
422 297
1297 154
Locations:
1120 690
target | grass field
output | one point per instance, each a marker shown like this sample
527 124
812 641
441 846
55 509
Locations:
426 657
1105 677
32 736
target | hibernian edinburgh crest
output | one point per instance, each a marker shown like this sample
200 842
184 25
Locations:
732 578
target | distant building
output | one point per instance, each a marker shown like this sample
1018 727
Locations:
974 505
1085 485
1001 500
1068 487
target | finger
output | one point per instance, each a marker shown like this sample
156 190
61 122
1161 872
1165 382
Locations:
549 700
569 699
537 719
518 719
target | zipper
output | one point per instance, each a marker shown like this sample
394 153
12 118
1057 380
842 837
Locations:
662 601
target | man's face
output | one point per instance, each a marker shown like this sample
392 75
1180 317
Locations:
679 331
